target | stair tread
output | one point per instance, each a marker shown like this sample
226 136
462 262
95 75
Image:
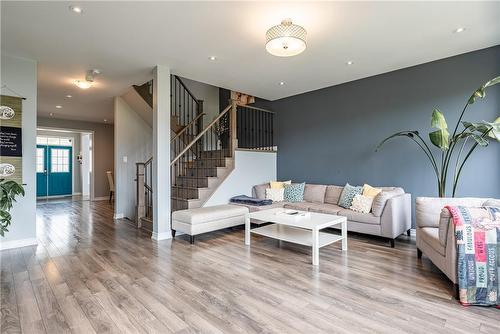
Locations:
189 187
185 199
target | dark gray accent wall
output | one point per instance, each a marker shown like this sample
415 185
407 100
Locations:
329 135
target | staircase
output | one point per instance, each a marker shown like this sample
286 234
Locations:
202 156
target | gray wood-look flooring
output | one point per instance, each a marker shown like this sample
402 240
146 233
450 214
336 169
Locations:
90 274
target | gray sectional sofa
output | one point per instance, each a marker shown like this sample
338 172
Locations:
390 216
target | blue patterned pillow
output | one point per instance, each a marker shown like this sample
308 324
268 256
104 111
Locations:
348 194
294 192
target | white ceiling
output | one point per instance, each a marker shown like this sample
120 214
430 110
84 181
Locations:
126 39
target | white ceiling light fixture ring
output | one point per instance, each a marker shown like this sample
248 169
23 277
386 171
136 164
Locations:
286 39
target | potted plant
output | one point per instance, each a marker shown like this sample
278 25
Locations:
9 191
466 137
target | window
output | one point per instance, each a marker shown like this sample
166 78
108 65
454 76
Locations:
40 160
59 160
55 141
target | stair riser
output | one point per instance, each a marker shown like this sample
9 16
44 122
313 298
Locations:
185 193
210 163
191 182
201 172
214 154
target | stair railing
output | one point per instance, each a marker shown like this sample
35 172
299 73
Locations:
144 190
215 142
255 128
185 107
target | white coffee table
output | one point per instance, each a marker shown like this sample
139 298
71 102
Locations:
303 230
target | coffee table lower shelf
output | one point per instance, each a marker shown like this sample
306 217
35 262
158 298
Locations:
295 235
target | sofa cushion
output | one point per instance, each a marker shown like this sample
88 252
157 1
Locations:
260 190
444 223
361 203
492 202
314 193
279 184
370 191
430 235
428 209
332 194
208 214
348 194
275 195
331 209
294 192
381 199
254 208
303 206
366 218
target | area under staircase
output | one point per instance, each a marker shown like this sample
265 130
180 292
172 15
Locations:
202 155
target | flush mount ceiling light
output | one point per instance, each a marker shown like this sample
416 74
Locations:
459 30
76 9
350 62
212 58
286 39
89 79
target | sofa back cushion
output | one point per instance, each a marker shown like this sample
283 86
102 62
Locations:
294 192
428 209
348 194
332 194
259 191
314 193
381 199
492 202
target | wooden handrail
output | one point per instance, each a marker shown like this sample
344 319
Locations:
201 134
255 108
185 128
146 162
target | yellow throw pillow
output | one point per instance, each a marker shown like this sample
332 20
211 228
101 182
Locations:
279 185
370 191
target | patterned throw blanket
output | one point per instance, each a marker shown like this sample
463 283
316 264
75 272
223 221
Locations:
477 232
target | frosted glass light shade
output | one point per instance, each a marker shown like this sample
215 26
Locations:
286 39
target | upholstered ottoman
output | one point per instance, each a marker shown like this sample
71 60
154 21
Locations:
208 219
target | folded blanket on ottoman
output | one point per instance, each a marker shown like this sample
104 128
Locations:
477 232
243 199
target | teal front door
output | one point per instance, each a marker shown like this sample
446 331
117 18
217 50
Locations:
54 170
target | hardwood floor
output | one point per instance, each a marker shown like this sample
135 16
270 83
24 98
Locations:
91 275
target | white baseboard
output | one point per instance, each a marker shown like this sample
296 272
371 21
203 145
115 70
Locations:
118 216
18 243
76 194
103 198
161 236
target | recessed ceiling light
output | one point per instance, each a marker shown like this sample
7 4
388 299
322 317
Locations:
69 96
282 83
83 84
76 9
58 107
459 30
212 58
350 62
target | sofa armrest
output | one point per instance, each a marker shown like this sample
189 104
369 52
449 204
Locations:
396 216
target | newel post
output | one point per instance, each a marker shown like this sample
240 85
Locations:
140 208
234 125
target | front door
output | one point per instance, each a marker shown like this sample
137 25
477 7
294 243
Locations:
54 170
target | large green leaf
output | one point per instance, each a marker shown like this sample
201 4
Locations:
440 137
492 129
481 91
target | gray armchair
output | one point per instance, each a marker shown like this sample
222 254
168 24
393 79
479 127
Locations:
435 231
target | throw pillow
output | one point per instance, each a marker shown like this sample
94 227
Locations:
370 191
348 194
276 195
279 185
362 203
294 192
381 199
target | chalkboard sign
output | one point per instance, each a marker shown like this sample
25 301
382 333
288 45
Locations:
11 139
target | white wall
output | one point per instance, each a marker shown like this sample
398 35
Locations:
210 96
251 168
85 167
133 140
20 75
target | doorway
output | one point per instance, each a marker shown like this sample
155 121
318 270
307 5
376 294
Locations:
64 165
